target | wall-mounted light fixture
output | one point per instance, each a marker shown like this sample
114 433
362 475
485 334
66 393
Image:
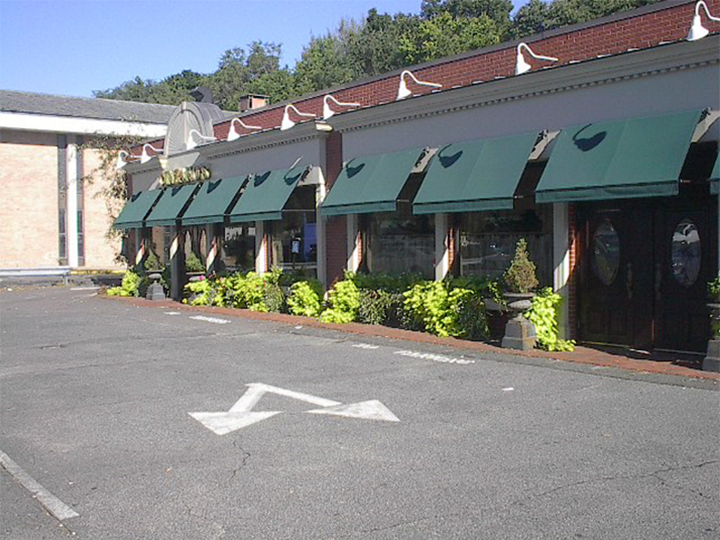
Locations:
328 112
145 157
194 135
286 122
233 133
521 66
403 90
123 159
697 30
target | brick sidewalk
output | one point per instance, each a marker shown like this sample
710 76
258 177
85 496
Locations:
582 355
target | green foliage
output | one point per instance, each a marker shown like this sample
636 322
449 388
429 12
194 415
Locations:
239 290
393 283
193 263
132 285
202 292
185 175
445 311
520 277
344 302
446 35
305 298
378 306
543 314
714 290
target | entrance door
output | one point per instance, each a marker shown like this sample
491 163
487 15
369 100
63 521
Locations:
643 273
615 281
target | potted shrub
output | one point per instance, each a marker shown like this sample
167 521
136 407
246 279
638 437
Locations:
520 282
711 361
520 278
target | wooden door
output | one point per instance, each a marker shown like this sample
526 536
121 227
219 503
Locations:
615 279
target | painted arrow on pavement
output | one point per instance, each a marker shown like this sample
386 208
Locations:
241 415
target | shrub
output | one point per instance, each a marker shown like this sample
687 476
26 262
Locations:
202 292
193 263
305 298
132 285
520 276
375 306
344 302
543 314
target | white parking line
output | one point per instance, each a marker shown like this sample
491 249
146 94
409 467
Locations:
210 319
94 288
435 357
53 505
365 346
172 313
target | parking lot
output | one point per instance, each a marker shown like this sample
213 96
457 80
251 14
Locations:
162 424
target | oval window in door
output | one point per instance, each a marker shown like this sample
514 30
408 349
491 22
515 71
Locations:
685 253
606 252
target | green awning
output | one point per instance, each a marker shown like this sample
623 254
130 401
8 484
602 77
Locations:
474 175
715 177
639 157
265 195
370 184
170 205
135 210
213 201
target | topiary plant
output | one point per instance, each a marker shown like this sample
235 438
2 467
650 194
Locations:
520 276
193 263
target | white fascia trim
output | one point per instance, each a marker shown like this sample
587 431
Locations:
80 126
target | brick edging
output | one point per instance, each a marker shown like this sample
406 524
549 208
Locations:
581 355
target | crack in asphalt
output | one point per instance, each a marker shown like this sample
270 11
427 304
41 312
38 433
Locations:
245 457
653 474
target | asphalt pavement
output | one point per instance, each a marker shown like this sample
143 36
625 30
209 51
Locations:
404 440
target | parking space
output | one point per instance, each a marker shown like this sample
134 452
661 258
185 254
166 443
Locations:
157 425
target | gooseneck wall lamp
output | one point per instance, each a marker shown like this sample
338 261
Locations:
697 30
521 66
404 91
194 135
328 112
125 157
287 123
233 133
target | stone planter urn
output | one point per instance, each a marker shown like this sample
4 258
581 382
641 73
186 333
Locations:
155 291
711 362
519 332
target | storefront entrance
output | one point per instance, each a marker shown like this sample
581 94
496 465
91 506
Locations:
644 266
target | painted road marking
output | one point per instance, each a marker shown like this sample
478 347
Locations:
172 313
370 410
435 357
241 414
53 505
210 319
365 346
94 288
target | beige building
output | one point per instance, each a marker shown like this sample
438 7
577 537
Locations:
51 220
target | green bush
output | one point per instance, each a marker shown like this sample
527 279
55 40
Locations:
273 295
193 263
543 314
202 292
305 298
376 306
344 302
132 285
520 276
440 309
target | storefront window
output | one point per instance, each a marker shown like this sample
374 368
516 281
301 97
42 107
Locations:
606 252
488 239
294 238
686 256
238 251
400 242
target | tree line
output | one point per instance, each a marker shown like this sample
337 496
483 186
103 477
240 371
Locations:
380 43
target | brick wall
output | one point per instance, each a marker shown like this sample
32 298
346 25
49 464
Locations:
28 200
336 227
100 251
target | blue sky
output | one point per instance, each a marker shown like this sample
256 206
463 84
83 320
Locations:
72 47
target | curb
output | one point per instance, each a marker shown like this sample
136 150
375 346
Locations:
581 355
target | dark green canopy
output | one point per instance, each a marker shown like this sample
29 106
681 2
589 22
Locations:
136 209
170 206
213 201
265 195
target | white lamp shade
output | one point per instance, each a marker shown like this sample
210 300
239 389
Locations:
327 111
403 90
697 30
521 66
120 163
286 122
233 135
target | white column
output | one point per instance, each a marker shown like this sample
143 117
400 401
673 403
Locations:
71 166
353 246
442 253
260 248
320 192
211 246
561 262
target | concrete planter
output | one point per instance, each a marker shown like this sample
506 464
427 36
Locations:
519 332
711 362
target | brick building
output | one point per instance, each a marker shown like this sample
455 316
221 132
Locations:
603 156
50 220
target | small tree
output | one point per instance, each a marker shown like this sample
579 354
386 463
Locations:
520 276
